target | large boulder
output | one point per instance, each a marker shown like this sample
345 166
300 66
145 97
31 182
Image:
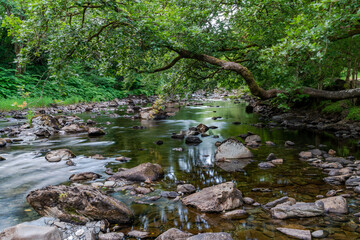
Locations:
297 210
30 232
232 149
78 204
58 155
174 234
217 198
336 204
211 236
140 173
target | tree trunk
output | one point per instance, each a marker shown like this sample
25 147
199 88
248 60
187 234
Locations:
19 69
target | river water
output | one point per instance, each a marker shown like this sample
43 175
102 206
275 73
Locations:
26 169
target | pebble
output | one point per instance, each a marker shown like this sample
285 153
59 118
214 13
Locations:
79 232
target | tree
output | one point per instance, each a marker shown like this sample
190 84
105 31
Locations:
296 45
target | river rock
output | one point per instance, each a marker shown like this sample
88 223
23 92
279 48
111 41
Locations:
31 232
252 138
192 140
270 157
235 214
140 173
211 236
232 149
84 176
340 160
277 161
305 155
138 234
296 233
202 128
248 200
289 144
94 132
233 165
79 204
174 234
75 128
320 234
297 210
276 202
2 142
59 155
353 181
186 188
336 180
217 198
2 158
266 165
111 236
336 204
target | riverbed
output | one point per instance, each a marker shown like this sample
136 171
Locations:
26 169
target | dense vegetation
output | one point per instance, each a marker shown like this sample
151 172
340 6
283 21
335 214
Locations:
109 47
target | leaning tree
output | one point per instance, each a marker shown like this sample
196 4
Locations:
281 45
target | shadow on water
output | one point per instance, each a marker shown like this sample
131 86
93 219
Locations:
25 169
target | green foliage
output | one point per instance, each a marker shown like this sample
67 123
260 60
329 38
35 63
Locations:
354 113
29 116
335 107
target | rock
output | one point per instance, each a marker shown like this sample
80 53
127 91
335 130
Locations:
59 155
31 232
289 144
202 128
331 193
178 136
277 161
186 188
253 144
192 140
336 204
297 210
174 234
357 189
169 194
276 202
95 132
84 176
235 214
296 233
270 143
140 173
78 204
232 149
211 236
75 128
159 142
143 190
98 157
332 152
340 160
305 155
336 180
320 234
217 198
252 138
2 142
138 234
353 181
2 158
270 157
79 232
111 236
248 200
123 159
266 165
178 149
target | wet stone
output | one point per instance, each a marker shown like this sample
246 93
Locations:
138 234
320 234
169 194
296 233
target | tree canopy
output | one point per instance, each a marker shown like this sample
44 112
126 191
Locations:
280 45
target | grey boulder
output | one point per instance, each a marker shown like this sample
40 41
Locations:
232 149
141 173
30 232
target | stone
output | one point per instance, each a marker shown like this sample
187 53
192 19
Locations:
331 193
252 138
178 149
78 204
59 155
143 190
202 128
186 188
270 157
75 128
277 161
169 194
248 200
123 159
217 198
270 143
353 181
332 152
98 157
320 234
336 180
174 234
84 176
31 232
336 204
297 210
138 234
95 132
296 233
111 236
253 144
159 142
109 184
140 173
266 165
232 149
305 155
2 158
235 214
357 189
211 236
2 142
340 160
79 232
192 140
276 202
289 144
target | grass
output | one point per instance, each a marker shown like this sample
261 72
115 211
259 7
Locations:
335 107
17 103
354 114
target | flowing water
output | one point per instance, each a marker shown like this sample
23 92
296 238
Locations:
26 169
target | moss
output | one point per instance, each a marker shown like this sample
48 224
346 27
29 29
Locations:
335 107
354 114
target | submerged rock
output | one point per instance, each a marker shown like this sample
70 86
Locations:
192 140
235 214
296 233
111 236
266 165
79 204
232 149
336 204
233 165
174 234
30 232
211 236
59 155
217 198
252 138
297 210
140 173
138 234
